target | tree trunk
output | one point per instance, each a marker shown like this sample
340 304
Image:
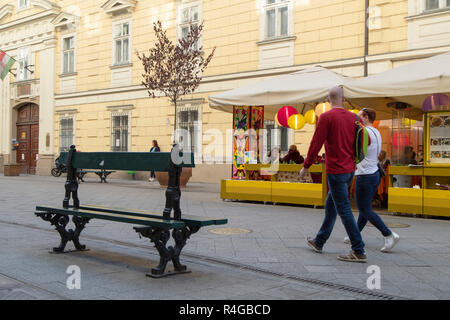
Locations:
175 124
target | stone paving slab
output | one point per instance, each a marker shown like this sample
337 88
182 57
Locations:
276 242
119 273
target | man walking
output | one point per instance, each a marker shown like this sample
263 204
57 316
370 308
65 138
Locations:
336 129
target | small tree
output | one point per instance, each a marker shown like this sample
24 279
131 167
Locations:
174 69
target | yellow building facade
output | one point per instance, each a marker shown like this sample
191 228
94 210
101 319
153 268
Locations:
98 101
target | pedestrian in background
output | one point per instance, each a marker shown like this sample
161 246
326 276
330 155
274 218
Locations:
368 176
337 130
155 148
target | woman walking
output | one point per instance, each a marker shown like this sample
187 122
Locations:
155 148
368 177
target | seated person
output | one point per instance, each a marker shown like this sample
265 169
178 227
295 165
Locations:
384 161
293 155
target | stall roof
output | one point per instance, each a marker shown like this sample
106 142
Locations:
307 86
410 83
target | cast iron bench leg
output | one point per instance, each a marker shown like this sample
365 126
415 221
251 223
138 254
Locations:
100 175
180 236
159 238
105 175
60 222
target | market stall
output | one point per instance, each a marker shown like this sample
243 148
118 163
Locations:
416 91
291 101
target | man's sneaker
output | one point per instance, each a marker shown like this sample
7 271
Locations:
347 240
353 257
313 245
390 242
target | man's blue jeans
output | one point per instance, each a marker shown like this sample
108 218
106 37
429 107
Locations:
366 188
338 202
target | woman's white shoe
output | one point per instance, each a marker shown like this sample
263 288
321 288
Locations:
347 240
390 242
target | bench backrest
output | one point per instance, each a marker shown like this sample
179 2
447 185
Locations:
135 161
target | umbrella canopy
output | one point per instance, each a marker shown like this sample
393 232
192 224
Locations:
411 83
307 86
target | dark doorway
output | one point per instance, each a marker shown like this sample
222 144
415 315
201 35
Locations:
28 136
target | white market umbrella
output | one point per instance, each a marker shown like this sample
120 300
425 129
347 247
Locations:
411 83
307 86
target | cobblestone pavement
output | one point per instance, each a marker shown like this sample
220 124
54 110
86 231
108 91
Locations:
419 267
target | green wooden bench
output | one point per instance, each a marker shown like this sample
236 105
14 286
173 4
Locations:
102 174
153 225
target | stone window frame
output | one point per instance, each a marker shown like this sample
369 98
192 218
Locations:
63 38
263 19
189 105
182 6
66 116
118 111
114 38
21 70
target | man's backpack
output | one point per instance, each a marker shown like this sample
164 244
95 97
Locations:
362 141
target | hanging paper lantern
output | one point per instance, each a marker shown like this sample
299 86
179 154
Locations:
376 124
322 108
296 121
408 122
284 114
310 117
435 102
355 111
276 120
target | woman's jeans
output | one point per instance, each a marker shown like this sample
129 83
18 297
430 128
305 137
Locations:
338 202
366 188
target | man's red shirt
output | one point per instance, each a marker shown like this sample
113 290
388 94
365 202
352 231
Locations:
336 129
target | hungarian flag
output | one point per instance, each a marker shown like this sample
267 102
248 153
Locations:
6 62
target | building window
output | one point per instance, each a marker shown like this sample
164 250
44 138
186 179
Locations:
66 134
189 15
23 57
189 127
120 132
122 43
22 4
69 55
277 18
436 4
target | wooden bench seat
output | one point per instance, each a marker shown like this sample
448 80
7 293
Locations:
186 218
113 216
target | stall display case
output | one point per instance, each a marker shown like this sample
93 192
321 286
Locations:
428 192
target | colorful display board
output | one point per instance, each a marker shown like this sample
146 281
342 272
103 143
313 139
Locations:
246 142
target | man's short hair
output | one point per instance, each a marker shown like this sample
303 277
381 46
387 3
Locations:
336 94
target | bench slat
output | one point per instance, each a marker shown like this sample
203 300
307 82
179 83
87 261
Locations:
188 219
118 217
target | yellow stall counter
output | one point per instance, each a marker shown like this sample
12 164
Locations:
246 190
406 200
437 202
298 193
